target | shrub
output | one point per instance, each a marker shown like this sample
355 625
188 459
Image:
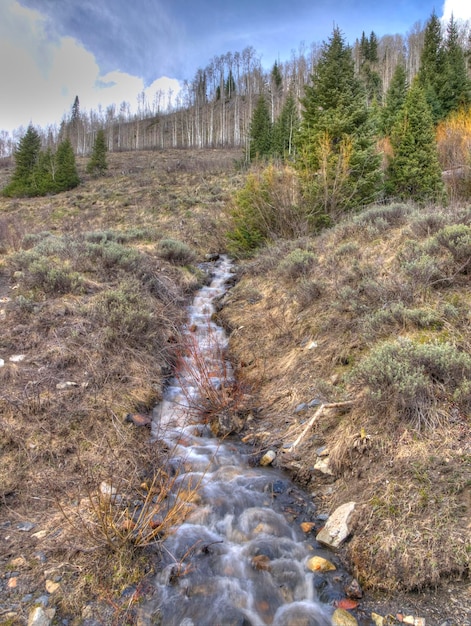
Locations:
408 379
127 315
176 252
457 240
383 217
266 208
296 264
307 292
397 315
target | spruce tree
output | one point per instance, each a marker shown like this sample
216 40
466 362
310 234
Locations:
337 154
432 66
394 99
285 129
456 85
413 170
260 136
66 175
26 159
97 164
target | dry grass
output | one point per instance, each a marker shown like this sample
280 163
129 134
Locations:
389 273
94 311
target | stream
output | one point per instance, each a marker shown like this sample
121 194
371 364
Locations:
240 557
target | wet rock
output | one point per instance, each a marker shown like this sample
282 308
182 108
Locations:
41 617
337 527
306 527
319 564
226 423
377 619
353 589
212 256
268 458
341 617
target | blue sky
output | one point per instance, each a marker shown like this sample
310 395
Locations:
110 50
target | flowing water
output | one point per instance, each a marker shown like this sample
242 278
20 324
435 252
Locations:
239 559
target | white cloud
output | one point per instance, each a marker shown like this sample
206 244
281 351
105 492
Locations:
460 9
41 74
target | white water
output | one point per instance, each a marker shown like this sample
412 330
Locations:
236 560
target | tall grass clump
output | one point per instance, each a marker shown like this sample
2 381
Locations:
409 379
296 264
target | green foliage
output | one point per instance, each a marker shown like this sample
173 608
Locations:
66 176
285 129
337 156
176 252
456 89
431 74
297 263
97 164
413 170
394 100
37 172
406 378
456 238
260 135
26 159
124 317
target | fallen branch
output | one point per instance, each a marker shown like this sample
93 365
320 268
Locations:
317 414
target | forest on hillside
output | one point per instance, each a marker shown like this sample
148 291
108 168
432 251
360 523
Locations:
334 108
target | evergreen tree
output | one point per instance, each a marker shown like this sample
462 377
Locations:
337 146
456 85
66 175
260 136
413 170
26 158
97 164
285 129
432 66
394 99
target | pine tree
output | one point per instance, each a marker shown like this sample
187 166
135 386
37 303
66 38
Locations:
260 136
432 66
97 164
26 158
456 85
66 175
337 149
394 99
285 129
414 171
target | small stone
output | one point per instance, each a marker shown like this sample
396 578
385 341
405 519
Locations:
41 617
27 598
138 419
18 562
337 529
2 362
25 526
314 402
322 466
40 534
67 384
16 358
306 527
51 586
268 458
319 564
12 582
341 617
301 407
377 619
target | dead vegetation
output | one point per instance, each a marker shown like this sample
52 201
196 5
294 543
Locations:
93 288
374 311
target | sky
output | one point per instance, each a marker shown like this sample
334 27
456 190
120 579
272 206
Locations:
109 51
